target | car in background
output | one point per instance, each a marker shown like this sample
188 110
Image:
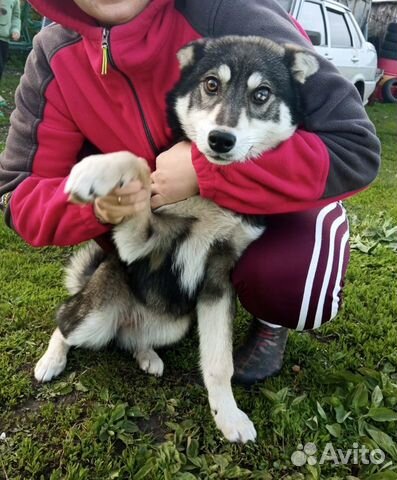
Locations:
336 35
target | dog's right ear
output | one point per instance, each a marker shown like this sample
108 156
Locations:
303 63
191 53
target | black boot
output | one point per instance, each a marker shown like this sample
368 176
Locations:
261 355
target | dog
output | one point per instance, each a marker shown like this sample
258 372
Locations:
237 97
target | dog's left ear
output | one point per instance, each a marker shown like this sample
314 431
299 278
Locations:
303 63
191 53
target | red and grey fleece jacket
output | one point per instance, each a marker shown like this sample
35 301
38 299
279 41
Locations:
66 106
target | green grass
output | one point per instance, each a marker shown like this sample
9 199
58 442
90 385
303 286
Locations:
104 419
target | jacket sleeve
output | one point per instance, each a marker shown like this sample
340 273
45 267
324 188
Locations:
333 155
16 18
42 146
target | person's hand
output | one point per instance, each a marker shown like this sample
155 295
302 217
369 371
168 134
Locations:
15 36
122 202
175 178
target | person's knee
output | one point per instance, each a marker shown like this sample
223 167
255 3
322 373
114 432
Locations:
288 294
281 299
266 290
293 274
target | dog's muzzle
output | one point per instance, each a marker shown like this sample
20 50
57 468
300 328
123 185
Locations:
221 141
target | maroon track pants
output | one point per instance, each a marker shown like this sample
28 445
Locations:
293 274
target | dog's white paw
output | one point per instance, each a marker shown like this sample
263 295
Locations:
97 175
235 425
50 365
150 362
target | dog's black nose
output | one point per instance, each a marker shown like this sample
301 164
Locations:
221 142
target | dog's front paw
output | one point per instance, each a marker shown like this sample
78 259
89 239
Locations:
235 425
97 175
50 365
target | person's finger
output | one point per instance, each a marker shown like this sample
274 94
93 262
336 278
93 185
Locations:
119 210
115 202
141 196
154 189
141 206
157 201
158 177
132 187
123 200
111 201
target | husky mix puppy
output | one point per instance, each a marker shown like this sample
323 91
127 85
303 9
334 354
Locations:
237 97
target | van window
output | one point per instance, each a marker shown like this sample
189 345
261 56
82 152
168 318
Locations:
339 31
357 42
311 17
286 4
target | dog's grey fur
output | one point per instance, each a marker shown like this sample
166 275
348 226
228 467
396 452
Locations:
174 264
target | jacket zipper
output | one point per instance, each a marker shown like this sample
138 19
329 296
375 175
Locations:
105 48
107 57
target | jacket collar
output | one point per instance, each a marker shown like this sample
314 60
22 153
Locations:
70 16
138 43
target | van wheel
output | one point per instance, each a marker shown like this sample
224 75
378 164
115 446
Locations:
389 91
360 89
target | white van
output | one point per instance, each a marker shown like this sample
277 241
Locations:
336 35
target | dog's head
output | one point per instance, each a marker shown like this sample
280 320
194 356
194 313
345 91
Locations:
238 96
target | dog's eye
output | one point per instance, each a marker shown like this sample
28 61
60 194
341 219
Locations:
261 95
211 85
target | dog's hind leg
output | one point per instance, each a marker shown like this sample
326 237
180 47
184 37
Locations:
150 362
215 331
160 333
148 332
132 337
93 330
53 362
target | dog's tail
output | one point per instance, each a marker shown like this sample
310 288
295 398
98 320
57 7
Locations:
82 266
